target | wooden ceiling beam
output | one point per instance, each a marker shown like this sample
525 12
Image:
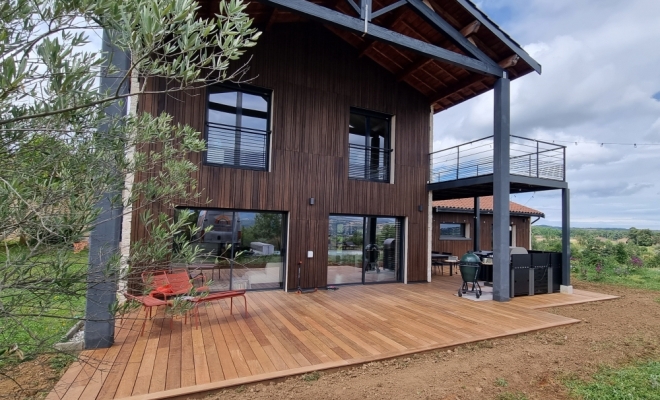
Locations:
491 53
467 31
442 44
469 6
389 24
447 29
412 68
449 90
509 61
471 29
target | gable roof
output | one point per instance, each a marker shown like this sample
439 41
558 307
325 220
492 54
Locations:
443 84
485 204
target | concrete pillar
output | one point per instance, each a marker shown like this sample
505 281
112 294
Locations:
501 188
105 237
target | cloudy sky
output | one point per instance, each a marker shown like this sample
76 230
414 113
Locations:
600 84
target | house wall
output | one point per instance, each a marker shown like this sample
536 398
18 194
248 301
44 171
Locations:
316 78
458 247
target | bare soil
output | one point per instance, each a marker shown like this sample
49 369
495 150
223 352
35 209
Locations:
536 365
29 380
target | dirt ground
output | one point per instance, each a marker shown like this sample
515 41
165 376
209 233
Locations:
613 333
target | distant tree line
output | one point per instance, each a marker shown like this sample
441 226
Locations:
639 237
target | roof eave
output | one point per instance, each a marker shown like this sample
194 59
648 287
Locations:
497 31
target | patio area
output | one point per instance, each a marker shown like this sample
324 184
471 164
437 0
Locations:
288 334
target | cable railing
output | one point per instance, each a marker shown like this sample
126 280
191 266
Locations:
369 163
528 157
237 146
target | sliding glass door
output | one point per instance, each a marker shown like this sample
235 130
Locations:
364 250
238 249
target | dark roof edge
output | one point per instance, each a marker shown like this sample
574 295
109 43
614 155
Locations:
497 31
471 211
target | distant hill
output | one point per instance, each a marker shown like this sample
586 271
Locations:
587 229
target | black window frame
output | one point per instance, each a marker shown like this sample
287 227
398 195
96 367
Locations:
387 152
252 90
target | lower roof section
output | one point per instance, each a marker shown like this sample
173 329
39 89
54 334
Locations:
481 186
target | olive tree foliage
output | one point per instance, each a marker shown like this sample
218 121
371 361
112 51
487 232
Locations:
55 167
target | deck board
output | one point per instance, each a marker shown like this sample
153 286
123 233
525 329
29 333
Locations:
286 334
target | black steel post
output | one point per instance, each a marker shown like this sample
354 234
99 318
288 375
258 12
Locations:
458 160
477 224
105 237
501 187
566 237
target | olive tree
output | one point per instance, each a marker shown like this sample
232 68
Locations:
55 166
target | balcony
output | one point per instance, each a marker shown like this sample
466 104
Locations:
467 169
237 147
369 163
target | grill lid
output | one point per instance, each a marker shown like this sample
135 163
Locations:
470 258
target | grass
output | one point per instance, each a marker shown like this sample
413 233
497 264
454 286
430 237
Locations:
640 278
640 381
48 316
311 377
501 382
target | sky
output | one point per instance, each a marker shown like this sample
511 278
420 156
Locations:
600 84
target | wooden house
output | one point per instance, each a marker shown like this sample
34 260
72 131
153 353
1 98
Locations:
454 225
321 169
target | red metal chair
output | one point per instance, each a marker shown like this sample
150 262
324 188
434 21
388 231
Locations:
164 284
148 303
229 294
153 280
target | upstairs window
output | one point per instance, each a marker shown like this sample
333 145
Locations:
237 127
369 146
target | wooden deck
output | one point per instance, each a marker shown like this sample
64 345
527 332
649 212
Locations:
287 334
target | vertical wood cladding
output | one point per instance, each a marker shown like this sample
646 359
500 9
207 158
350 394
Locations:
316 78
458 247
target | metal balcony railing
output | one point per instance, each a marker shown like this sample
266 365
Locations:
369 163
528 157
237 147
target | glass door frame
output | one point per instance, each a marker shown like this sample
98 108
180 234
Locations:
399 276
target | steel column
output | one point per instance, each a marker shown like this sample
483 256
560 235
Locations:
477 224
501 187
565 237
105 237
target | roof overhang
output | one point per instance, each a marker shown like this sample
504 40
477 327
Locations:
448 50
486 212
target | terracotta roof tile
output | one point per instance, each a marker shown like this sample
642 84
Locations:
486 204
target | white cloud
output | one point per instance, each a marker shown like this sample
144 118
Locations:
600 74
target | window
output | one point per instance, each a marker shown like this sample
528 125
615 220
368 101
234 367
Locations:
235 249
452 231
237 127
370 148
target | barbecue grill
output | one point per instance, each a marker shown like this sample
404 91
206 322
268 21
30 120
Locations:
469 266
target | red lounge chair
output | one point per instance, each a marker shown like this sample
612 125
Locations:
148 303
163 284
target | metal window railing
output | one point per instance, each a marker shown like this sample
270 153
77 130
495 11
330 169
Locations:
369 163
528 157
237 146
